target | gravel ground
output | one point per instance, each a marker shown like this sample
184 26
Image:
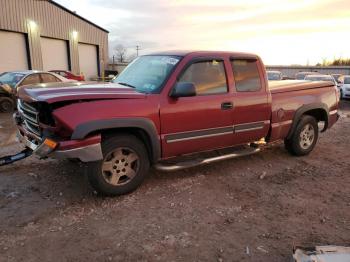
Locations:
254 208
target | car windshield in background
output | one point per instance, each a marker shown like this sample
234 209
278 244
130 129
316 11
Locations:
273 76
147 73
10 78
347 80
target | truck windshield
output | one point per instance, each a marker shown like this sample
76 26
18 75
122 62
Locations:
147 73
10 78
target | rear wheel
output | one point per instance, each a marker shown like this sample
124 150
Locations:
6 105
124 166
304 137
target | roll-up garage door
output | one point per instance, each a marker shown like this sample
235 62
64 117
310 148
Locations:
54 53
13 52
88 60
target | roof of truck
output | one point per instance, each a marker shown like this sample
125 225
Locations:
201 53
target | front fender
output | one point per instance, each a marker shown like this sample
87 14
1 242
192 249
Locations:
83 129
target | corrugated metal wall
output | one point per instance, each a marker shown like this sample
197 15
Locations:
50 21
290 71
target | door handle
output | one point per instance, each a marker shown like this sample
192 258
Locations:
226 105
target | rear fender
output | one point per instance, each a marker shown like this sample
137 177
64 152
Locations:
309 108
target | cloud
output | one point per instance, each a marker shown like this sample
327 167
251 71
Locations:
288 27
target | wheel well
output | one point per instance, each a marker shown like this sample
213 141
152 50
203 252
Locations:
319 114
138 132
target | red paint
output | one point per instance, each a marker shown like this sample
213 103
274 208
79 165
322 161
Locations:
66 145
69 75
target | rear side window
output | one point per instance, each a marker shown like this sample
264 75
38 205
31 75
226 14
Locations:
246 75
209 77
31 79
48 78
347 80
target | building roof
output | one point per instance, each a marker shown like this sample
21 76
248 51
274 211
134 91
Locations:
75 14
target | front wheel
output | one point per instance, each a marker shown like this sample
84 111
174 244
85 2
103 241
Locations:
124 166
6 105
304 137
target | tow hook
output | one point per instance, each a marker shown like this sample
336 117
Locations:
6 160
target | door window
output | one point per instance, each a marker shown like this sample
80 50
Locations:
246 75
48 78
31 79
208 77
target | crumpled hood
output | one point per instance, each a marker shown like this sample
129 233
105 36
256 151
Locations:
57 92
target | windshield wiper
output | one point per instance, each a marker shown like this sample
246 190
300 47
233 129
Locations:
126 84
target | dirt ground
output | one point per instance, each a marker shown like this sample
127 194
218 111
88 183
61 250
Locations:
254 208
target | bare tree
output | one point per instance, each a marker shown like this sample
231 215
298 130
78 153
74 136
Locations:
121 53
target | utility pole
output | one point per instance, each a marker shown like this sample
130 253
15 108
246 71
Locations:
137 50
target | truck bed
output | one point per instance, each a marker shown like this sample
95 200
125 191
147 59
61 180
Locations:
296 85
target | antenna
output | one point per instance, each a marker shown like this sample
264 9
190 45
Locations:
137 50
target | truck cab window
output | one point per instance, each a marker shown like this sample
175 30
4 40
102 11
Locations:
208 77
246 75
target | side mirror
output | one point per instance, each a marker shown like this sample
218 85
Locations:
183 89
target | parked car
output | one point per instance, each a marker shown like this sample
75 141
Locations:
68 75
321 78
302 75
10 82
170 104
274 75
336 77
344 86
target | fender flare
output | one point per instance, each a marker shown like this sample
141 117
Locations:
83 129
302 110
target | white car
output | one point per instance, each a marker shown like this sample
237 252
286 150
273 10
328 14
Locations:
327 78
344 86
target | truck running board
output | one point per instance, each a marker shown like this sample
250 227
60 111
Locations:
203 161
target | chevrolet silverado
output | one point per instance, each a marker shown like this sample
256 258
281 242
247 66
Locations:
167 106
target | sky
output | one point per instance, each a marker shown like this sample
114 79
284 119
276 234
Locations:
282 32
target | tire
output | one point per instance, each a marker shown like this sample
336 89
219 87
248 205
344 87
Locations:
6 105
124 166
304 137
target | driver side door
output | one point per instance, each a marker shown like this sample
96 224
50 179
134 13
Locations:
201 122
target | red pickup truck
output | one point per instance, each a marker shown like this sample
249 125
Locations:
167 105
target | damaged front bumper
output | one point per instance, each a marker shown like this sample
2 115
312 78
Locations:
87 150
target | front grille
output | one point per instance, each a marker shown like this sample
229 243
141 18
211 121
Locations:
30 117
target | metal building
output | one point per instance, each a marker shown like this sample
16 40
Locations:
43 35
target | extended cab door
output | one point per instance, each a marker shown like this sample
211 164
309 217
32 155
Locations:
252 109
201 122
